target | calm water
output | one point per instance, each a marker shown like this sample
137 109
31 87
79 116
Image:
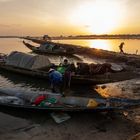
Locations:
16 81
8 45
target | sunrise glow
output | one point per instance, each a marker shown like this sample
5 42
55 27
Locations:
99 17
74 17
99 44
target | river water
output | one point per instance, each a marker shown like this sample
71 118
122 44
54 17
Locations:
28 128
8 45
21 82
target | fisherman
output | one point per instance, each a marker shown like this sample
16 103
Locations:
67 70
63 66
121 47
56 80
65 63
70 70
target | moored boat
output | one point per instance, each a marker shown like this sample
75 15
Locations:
46 102
38 66
75 79
49 48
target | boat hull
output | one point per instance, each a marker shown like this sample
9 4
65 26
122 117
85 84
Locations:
77 79
123 104
36 109
11 99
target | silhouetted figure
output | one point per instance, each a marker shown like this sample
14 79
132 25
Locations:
136 52
121 47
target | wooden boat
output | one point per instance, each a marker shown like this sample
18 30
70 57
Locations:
31 108
56 50
55 102
75 79
42 41
71 49
130 59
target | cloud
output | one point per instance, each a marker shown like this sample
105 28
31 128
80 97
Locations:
9 25
4 25
6 0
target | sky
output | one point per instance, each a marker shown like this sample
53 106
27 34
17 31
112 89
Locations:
69 17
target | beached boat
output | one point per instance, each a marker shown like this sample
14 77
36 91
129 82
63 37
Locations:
67 108
75 79
38 66
50 48
35 102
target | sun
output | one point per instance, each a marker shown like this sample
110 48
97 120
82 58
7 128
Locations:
98 17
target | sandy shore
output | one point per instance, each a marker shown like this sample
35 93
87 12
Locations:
84 126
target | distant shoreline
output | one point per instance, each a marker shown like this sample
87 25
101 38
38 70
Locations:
9 37
80 37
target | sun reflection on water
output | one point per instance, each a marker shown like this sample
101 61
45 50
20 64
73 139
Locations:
100 44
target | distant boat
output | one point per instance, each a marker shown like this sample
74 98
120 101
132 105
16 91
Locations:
49 48
69 48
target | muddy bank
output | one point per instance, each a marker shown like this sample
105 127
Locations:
135 137
126 89
129 89
81 126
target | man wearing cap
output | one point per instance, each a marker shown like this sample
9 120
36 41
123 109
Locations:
55 79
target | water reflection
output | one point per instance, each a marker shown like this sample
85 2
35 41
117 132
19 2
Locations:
20 82
16 81
100 44
8 45
111 44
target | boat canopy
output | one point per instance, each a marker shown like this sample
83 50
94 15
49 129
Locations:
23 60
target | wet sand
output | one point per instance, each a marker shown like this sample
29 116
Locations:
84 126
129 89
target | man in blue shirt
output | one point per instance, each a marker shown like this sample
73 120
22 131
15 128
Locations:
56 80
